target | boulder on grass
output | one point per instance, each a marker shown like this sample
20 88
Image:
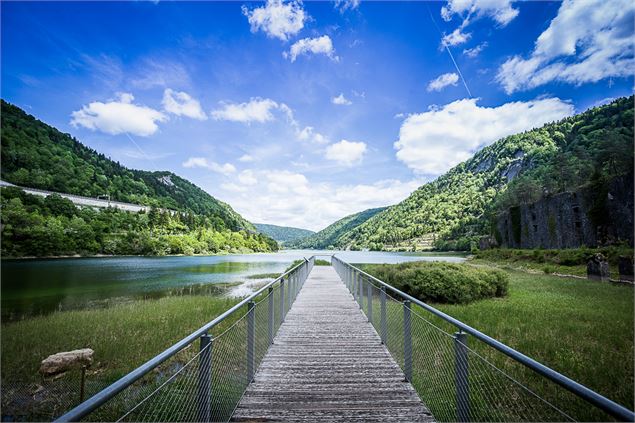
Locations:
625 265
64 361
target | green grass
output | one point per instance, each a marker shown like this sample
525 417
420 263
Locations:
567 261
123 336
581 328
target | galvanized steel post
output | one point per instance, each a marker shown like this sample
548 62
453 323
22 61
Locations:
281 300
251 340
462 380
369 299
384 329
205 379
407 341
360 296
289 283
271 305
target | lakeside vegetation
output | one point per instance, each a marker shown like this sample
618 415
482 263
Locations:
441 282
581 328
53 226
567 261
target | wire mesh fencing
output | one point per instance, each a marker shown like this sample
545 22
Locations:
203 377
460 377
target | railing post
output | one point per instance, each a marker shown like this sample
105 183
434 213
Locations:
360 296
251 340
369 303
384 329
281 300
271 313
354 284
462 380
289 283
407 341
205 379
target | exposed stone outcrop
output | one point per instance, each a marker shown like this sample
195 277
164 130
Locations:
597 268
571 219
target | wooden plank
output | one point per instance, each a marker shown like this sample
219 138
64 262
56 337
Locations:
327 363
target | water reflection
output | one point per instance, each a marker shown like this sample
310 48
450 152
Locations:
32 287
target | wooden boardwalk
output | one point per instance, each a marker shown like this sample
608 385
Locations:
328 364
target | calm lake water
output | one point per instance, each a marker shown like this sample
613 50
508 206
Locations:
33 287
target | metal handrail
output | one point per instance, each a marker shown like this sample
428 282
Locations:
109 392
616 410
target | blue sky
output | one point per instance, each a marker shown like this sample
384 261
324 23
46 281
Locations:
301 113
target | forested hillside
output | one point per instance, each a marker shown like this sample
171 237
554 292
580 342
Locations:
591 147
283 234
330 236
37 155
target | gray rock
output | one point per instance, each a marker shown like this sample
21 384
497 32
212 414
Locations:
64 361
597 268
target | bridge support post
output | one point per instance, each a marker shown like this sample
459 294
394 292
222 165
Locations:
205 379
384 329
281 300
271 305
407 341
462 381
251 340
369 301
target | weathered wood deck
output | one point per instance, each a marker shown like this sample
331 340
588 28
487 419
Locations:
328 364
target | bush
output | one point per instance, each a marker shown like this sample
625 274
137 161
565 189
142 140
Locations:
443 282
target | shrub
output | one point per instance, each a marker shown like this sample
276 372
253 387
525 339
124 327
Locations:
443 282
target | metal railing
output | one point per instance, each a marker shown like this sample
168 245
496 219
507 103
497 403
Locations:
458 381
187 382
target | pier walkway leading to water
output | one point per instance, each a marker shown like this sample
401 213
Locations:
305 347
328 363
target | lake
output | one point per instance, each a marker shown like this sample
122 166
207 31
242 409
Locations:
33 287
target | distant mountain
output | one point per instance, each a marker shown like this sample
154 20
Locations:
330 236
282 234
37 155
591 147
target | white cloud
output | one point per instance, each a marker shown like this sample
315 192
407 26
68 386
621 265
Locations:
308 133
341 100
454 38
246 158
347 153
319 45
344 5
182 104
289 198
434 141
443 81
118 116
277 19
255 110
499 10
586 42
224 169
247 177
475 51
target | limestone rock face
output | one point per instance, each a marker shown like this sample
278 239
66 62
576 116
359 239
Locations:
597 268
64 361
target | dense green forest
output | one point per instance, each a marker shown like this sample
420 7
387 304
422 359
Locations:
48 226
282 234
37 155
330 236
588 148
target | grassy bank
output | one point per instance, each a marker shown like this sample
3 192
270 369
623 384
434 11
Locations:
580 328
123 336
568 261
